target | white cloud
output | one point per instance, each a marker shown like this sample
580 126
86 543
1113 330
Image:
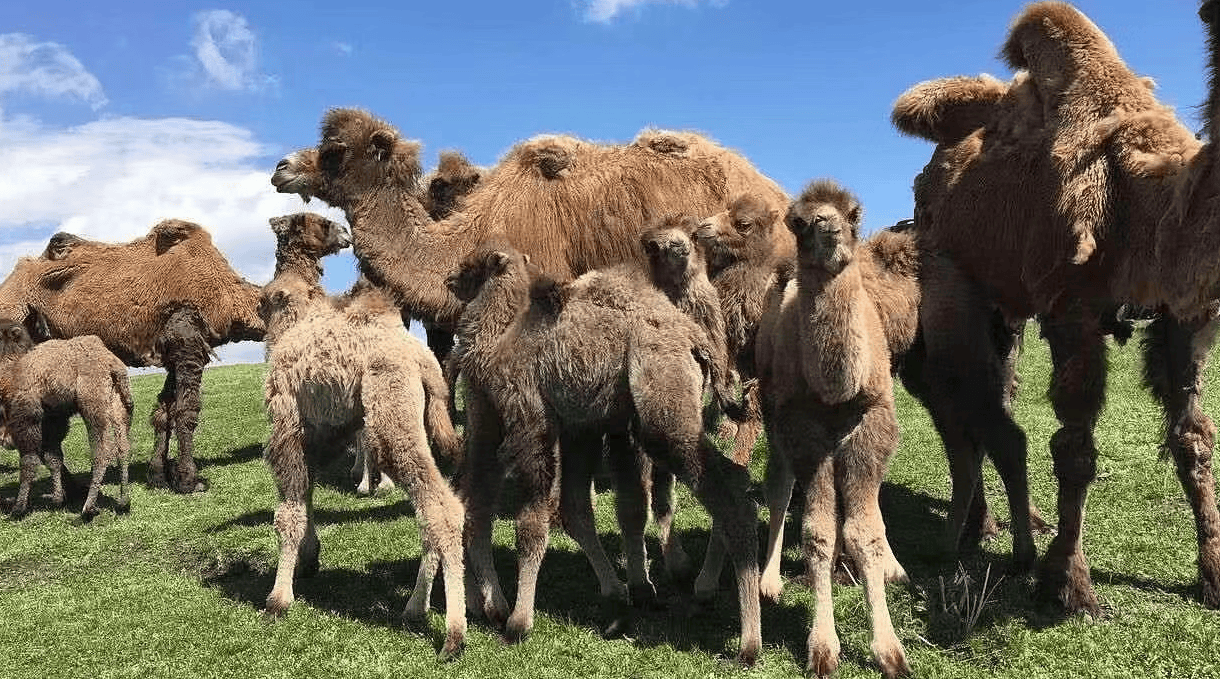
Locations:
46 69
343 48
227 51
113 179
604 11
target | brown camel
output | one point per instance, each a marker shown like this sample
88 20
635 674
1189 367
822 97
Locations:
1088 194
823 363
445 188
570 204
341 368
612 353
41 387
165 299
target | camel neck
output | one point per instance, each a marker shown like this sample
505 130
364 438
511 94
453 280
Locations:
403 251
290 260
490 315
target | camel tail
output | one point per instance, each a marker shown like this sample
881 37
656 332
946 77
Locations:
437 421
721 392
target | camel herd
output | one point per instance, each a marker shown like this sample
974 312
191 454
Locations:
614 302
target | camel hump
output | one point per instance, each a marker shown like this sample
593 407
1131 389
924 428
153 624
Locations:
946 110
549 155
895 251
170 232
666 142
454 165
1047 33
60 245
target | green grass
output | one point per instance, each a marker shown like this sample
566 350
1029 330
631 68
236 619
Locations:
175 588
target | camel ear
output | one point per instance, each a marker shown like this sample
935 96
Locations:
382 143
854 215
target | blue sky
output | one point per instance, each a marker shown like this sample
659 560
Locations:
115 115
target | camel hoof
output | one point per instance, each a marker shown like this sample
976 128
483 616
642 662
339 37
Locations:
748 655
276 607
1064 576
455 644
517 631
87 515
894 664
823 662
122 505
771 588
191 486
158 480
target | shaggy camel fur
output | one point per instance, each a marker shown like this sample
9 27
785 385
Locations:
614 354
823 365
571 205
1110 206
338 367
41 387
165 299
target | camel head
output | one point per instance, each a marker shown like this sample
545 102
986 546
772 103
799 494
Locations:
493 259
743 232
445 187
14 339
358 154
283 300
825 219
671 252
310 234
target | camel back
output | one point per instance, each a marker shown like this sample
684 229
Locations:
1077 155
123 293
576 205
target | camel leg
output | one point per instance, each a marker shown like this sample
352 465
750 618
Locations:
779 483
860 465
100 441
122 447
537 478
55 426
401 449
721 487
26 431
1077 392
187 405
819 535
480 479
1176 353
440 341
580 454
159 420
631 474
748 431
287 455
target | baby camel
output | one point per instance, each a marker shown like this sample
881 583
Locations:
612 355
828 406
41 387
342 367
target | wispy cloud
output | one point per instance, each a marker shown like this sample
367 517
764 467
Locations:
344 48
45 69
605 11
227 52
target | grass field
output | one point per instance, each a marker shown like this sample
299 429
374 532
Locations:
175 588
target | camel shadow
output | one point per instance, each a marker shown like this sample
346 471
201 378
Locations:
378 513
241 455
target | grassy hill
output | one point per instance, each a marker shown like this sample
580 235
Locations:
175 588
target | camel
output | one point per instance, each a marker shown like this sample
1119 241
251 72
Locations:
446 187
1107 205
823 364
550 372
41 387
344 367
165 299
570 204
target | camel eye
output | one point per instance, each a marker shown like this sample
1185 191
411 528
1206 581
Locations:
331 158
